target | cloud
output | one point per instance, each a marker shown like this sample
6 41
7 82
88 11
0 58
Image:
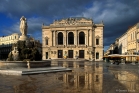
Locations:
49 8
116 15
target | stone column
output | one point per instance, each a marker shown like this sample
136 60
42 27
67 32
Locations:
90 38
75 39
65 35
54 38
85 39
93 37
63 39
67 38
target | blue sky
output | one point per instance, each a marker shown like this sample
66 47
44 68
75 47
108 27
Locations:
117 15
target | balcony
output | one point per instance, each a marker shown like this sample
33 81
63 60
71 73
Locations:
60 46
71 46
82 45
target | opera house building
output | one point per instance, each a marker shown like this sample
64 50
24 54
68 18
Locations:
75 37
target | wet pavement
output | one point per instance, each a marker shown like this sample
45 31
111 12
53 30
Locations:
85 77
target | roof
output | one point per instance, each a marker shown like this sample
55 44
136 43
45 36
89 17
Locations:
77 18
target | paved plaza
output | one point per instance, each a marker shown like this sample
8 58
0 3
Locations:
85 77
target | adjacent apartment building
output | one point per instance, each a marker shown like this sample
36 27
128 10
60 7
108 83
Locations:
73 37
128 43
6 43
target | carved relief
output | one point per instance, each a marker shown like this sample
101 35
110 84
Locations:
72 21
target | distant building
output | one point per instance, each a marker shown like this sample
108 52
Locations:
6 43
133 39
36 43
128 43
113 48
73 37
122 46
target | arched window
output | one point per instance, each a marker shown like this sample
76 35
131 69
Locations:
81 38
70 38
60 38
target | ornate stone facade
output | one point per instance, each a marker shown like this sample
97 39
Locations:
73 37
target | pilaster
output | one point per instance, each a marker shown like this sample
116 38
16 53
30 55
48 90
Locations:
75 38
54 38
67 37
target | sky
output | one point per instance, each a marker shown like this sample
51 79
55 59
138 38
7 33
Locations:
117 15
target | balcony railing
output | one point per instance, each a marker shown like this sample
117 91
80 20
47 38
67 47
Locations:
60 46
71 46
82 45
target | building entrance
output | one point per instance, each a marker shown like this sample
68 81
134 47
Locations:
81 53
70 53
60 53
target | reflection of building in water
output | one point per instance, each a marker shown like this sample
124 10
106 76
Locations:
86 78
129 79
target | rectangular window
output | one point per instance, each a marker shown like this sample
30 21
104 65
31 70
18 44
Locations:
46 41
97 41
97 78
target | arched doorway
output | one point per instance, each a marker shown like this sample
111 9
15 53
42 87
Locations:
81 38
60 38
70 38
